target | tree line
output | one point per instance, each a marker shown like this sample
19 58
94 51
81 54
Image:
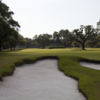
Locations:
10 37
84 36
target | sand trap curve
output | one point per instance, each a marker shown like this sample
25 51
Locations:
39 81
90 65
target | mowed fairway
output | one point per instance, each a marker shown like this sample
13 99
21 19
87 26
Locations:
89 79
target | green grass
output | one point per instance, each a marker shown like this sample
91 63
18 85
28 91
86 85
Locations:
68 58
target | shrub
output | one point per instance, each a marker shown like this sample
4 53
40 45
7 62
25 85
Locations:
54 47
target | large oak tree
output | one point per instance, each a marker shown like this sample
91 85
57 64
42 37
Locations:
83 34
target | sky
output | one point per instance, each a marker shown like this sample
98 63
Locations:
47 16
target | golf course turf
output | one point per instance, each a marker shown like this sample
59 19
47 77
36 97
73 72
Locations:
68 62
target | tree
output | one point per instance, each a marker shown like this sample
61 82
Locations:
75 44
35 44
21 41
98 25
13 39
29 43
96 41
57 38
64 36
6 23
6 16
43 39
83 34
92 43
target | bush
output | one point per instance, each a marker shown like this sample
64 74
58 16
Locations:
54 47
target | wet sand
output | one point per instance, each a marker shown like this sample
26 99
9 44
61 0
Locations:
39 81
90 65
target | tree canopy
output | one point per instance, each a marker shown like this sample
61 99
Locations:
7 23
83 34
43 39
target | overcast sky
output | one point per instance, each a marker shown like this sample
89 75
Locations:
47 16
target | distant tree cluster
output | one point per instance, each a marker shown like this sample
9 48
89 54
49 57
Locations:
84 36
10 37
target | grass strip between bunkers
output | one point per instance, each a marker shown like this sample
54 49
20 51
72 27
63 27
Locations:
89 79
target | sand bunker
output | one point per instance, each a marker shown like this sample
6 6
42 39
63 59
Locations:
90 65
39 81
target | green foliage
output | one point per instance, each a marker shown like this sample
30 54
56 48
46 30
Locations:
7 23
21 40
28 42
57 38
42 40
83 34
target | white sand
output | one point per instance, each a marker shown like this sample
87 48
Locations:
90 65
39 81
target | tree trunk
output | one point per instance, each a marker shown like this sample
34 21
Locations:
11 47
0 47
43 45
83 46
14 47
